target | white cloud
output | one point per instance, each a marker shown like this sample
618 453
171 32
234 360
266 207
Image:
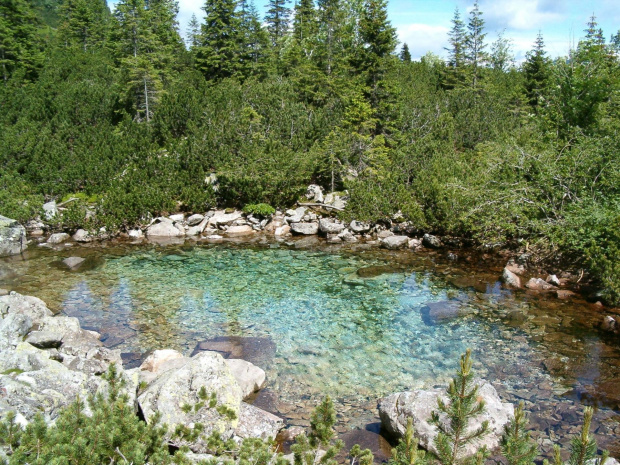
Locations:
422 38
523 14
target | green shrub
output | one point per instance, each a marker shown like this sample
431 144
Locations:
259 209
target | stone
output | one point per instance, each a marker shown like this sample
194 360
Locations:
50 210
13 328
163 227
385 233
418 405
58 238
515 268
177 218
439 312
81 235
414 243
510 279
195 219
306 229
237 231
314 193
73 263
136 233
256 423
610 324
29 306
395 242
358 227
431 242
282 230
12 237
154 362
554 280
330 226
538 284
347 236
249 377
289 434
258 350
221 218
193 231
174 389
565 294
52 331
295 216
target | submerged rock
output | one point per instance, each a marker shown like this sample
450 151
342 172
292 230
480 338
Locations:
257 350
73 263
439 312
418 405
12 237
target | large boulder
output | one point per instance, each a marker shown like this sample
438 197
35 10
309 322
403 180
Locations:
256 423
249 377
314 193
395 242
418 405
164 227
305 229
510 279
330 226
178 396
12 237
295 216
432 242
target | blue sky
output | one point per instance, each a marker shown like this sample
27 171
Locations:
424 24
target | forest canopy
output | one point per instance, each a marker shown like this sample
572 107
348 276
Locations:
117 107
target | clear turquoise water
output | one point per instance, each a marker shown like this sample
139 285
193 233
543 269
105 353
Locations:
335 331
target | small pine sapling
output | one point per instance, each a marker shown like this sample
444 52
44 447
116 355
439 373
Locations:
361 456
407 451
583 448
463 405
318 446
517 446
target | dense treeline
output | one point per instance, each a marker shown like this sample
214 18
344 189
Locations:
114 105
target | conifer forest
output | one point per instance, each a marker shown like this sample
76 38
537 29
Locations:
114 105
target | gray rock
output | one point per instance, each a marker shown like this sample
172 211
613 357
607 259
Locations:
314 193
538 284
329 226
12 237
358 227
510 279
306 229
164 227
282 230
178 218
50 210
135 234
58 238
52 331
256 423
418 405
221 218
432 242
29 306
385 233
553 279
414 243
173 389
295 216
249 377
195 220
347 236
73 262
81 235
13 328
395 242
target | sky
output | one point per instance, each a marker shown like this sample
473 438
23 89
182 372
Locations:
424 24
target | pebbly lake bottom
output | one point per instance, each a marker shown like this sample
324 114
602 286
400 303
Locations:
356 323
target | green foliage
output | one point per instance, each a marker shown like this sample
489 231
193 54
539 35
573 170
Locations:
463 405
407 451
259 209
516 444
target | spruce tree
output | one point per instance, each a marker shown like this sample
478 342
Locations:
19 47
537 73
193 32
216 57
84 23
405 55
277 19
253 42
475 54
502 57
457 37
463 405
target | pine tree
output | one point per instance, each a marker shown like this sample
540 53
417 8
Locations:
537 73
331 50
19 47
457 37
253 42
304 22
516 443
216 57
475 54
463 405
407 451
84 23
405 55
193 32
277 19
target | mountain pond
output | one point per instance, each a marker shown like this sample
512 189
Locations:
355 322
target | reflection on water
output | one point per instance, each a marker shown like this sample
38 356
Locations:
355 325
